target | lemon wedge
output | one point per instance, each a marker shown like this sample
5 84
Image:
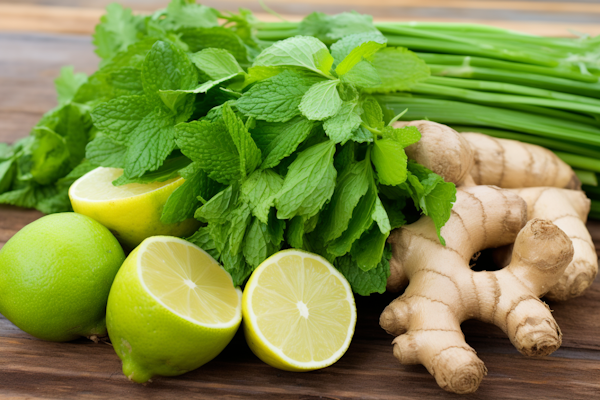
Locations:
171 309
299 312
132 212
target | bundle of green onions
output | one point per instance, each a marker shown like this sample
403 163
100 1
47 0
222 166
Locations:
507 84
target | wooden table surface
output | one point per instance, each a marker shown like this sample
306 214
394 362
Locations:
31 53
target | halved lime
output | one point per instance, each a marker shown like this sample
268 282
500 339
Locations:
171 309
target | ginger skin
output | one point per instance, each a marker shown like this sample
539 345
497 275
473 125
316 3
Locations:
512 164
568 210
443 290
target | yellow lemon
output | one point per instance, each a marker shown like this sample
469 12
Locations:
299 312
171 309
131 212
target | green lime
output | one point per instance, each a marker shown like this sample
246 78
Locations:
172 308
55 276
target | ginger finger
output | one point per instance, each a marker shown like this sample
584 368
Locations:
443 292
567 209
512 164
489 216
441 149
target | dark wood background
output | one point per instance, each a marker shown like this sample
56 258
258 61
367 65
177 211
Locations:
31 54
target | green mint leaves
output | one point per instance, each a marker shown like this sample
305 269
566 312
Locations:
280 144
145 124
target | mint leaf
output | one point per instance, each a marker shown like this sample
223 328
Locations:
106 152
361 220
366 282
276 99
362 135
7 174
216 63
182 203
309 183
260 191
236 265
119 118
184 13
329 28
67 84
257 243
381 217
364 51
116 31
298 51
431 194
343 47
216 37
49 155
150 143
279 140
339 128
219 207
362 75
239 221
174 98
168 170
167 67
211 146
390 160
202 239
249 153
373 114
399 69
351 185
321 101
126 81
368 250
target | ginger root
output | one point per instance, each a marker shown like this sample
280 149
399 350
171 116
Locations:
443 290
567 209
512 164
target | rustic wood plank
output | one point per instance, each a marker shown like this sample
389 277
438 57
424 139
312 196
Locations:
34 18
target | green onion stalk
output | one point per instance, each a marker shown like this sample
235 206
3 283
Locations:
507 84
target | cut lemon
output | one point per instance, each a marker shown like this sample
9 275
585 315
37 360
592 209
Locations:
299 312
171 309
132 212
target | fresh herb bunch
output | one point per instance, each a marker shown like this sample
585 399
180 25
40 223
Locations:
280 145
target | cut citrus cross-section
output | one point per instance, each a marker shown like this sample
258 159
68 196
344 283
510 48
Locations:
132 212
171 309
299 312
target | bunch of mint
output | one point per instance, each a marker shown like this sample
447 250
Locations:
280 145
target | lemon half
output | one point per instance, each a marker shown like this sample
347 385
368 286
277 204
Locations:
299 312
132 212
171 309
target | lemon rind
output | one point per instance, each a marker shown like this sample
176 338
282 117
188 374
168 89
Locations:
223 325
80 199
309 365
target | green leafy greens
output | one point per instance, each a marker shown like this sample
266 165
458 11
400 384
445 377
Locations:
280 144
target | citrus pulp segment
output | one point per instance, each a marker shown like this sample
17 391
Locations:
132 212
202 295
171 309
299 312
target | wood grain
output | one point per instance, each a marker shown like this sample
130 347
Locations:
34 369
552 21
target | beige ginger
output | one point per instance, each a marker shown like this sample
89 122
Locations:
512 164
567 209
443 290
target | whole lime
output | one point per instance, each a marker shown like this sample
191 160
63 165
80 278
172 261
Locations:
55 276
